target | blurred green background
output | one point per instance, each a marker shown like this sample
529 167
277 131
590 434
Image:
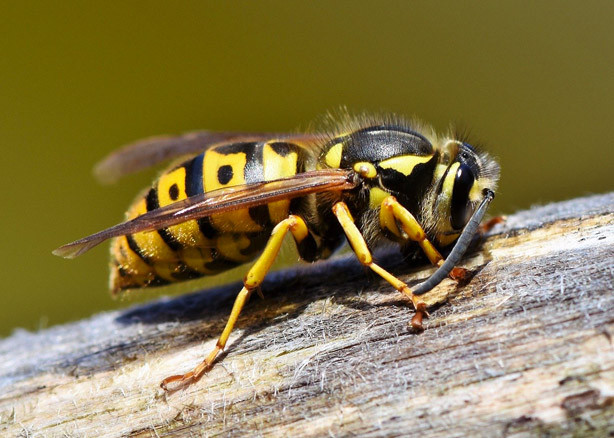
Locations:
533 81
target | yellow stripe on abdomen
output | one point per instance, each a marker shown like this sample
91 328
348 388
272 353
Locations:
226 170
212 244
171 188
278 162
150 242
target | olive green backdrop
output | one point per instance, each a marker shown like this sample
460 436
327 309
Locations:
533 81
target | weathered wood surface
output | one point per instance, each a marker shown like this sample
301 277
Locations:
524 348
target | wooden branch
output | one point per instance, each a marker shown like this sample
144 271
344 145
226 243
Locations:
524 347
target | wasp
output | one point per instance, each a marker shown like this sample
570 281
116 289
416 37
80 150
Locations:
236 195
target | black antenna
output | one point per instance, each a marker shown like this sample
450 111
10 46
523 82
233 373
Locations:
459 248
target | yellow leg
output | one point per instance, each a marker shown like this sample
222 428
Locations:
252 281
392 212
363 254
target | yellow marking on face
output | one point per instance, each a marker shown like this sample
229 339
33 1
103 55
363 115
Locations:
333 156
365 169
444 200
376 197
277 166
404 163
440 169
171 188
475 194
448 184
230 170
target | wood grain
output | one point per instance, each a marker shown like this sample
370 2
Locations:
525 348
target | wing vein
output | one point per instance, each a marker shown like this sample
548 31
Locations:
219 201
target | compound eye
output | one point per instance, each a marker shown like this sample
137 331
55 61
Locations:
461 208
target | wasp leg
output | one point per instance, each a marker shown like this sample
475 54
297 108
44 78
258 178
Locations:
251 283
357 241
392 212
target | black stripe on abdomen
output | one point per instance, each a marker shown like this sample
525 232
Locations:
194 186
184 272
153 204
137 249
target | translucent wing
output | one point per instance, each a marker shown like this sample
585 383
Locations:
218 201
150 151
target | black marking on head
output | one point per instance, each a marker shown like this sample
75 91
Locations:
137 250
194 176
225 174
468 156
439 188
173 192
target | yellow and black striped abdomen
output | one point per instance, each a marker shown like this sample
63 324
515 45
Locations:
212 244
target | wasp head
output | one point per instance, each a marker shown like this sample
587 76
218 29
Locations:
460 182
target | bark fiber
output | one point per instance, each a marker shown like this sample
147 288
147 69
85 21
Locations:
523 349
